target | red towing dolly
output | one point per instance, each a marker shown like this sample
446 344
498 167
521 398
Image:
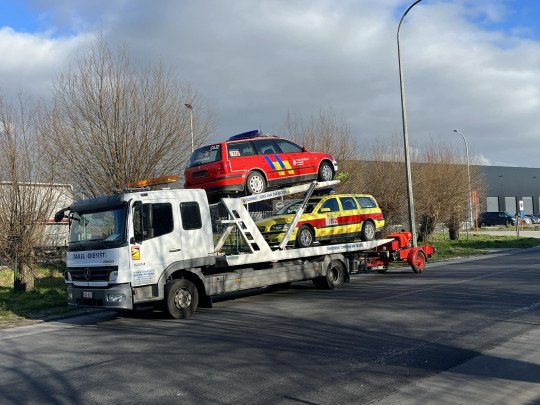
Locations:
398 249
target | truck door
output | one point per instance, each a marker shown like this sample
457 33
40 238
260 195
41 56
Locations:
192 238
160 246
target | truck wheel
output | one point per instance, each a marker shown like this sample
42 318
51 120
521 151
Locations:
181 298
368 231
335 276
255 183
304 237
418 261
326 172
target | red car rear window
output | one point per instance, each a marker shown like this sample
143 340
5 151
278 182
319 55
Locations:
204 155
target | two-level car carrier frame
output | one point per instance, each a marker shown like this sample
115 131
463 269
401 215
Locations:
180 286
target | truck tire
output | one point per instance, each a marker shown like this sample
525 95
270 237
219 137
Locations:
335 276
181 298
305 237
326 172
255 183
368 231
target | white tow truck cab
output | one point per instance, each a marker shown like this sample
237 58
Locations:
146 247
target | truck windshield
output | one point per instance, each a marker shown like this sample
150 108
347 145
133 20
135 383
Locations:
98 230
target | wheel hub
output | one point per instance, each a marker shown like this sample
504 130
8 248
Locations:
326 173
182 298
256 184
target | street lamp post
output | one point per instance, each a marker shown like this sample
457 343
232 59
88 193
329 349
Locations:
469 180
190 108
410 199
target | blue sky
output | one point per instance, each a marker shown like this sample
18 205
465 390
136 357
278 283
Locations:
472 65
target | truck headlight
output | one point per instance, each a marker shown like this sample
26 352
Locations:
279 227
70 295
113 276
116 297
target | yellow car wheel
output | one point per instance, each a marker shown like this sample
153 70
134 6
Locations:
305 237
368 231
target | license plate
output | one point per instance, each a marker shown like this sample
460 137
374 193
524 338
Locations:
87 294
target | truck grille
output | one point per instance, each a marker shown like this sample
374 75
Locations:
91 273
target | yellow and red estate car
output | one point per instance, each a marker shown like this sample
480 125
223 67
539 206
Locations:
253 163
337 216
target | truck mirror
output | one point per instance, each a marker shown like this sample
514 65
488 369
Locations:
59 216
138 234
148 221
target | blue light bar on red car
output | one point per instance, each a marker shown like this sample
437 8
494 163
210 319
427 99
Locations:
245 135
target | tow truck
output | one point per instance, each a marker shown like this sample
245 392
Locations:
143 247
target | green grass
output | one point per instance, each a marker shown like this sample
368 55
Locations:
49 295
477 244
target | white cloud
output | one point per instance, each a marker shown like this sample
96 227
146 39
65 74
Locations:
32 61
257 60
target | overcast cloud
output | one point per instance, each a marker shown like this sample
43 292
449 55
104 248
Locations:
256 60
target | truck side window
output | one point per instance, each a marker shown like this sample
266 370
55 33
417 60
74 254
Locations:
162 219
191 215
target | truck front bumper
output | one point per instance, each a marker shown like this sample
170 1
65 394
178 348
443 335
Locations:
117 296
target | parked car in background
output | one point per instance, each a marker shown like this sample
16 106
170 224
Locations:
251 163
496 218
527 219
326 218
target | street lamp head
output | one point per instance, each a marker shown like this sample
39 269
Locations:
188 106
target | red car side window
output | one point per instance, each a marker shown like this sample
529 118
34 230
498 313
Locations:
265 146
288 147
239 149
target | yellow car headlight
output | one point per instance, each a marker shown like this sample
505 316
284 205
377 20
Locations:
279 227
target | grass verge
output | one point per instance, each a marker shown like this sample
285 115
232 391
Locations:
477 244
49 296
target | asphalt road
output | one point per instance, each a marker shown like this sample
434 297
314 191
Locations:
361 344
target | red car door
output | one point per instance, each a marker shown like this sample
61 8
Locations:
269 161
293 156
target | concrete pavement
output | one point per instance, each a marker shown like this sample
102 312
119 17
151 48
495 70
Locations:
506 374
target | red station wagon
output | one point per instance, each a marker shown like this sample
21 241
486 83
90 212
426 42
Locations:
252 163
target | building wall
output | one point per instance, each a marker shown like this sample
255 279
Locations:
508 185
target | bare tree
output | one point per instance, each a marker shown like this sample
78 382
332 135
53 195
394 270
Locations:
441 189
328 132
383 177
27 192
112 123
440 185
